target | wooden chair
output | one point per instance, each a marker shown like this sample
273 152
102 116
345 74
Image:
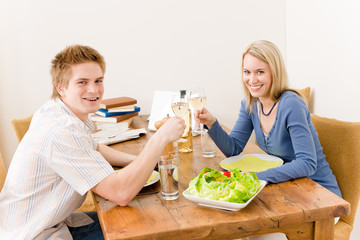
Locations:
2 172
21 125
341 143
305 92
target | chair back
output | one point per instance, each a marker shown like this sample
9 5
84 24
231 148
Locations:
2 172
341 145
21 125
305 92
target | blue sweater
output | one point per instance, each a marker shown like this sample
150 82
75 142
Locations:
293 138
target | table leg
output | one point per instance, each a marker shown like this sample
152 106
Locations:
324 229
299 232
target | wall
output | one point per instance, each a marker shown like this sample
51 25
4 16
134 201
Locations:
322 43
323 50
148 46
168 45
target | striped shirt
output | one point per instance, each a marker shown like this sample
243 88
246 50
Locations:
54 166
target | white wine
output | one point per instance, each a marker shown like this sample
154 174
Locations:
186 146
180 108
198 102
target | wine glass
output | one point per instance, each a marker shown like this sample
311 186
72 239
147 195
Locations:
197 101
180 105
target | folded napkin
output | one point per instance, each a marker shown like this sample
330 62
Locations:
251 163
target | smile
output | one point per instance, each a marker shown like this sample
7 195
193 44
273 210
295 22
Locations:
92 99
255 87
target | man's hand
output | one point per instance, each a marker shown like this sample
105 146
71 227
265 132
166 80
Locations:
172 129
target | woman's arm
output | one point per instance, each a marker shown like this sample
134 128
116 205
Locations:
293 130
234 143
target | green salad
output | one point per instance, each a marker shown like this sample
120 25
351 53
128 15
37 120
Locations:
233 186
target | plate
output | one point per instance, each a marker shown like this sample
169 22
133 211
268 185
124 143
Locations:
220 204
251 162
152 179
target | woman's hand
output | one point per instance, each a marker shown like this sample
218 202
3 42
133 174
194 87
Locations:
205 117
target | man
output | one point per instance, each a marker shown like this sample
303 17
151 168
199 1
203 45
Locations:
57 161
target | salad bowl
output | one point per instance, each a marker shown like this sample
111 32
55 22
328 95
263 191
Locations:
231 190
231 206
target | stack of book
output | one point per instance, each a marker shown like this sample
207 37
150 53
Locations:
116 110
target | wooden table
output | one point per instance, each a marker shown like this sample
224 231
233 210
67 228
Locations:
301 208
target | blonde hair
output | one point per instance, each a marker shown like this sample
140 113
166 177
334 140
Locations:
71 55
267 52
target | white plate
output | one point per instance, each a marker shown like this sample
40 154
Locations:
220 204
157 178
265 157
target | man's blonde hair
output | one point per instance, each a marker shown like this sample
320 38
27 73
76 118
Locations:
71 55
267 52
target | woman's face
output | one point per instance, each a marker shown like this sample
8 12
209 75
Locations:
257 76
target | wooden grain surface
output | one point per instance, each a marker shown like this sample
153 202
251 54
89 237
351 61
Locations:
300 208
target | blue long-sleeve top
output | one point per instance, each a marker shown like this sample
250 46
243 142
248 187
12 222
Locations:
292 137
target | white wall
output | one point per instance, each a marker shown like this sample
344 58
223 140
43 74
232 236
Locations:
168 45
323 49
148 45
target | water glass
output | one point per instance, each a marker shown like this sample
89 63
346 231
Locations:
207 145
168 169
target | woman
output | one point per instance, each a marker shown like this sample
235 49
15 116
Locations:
279 117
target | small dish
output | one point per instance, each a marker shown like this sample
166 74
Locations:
220 204
251 162
153 178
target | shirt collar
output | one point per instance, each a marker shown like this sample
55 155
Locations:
88 123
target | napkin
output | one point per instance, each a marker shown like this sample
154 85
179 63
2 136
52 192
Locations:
251 163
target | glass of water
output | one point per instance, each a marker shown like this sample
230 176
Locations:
207 145
168 169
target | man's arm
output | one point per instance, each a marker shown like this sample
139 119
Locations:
123 186
115 157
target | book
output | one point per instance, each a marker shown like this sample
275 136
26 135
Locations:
117 102
127 108
105 113
114 119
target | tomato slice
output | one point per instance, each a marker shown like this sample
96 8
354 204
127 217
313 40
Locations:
226 173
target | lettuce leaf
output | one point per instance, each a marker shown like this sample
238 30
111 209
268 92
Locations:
213 184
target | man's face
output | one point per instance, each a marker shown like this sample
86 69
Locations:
85 89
